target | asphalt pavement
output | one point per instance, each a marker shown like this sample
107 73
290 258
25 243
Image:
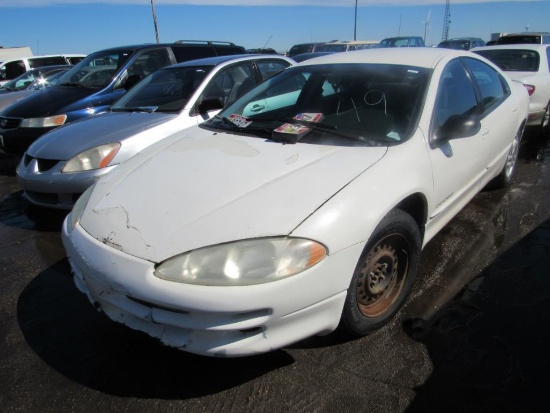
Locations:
473 337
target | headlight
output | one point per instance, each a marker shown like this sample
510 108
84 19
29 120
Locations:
48 122
94 158
246 262
80 206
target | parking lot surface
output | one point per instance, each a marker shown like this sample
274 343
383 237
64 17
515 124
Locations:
473 337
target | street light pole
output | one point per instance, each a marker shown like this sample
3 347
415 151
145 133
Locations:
355 27
155 20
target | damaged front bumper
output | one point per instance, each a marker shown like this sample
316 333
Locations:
209 320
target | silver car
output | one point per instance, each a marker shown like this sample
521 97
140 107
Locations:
60 165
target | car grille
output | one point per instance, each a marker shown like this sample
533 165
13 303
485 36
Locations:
42 165
9 123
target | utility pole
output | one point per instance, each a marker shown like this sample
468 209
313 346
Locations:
355 27
446 21
155 20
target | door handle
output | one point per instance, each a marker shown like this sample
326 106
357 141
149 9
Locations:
257 108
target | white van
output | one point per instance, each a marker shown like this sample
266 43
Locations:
13 68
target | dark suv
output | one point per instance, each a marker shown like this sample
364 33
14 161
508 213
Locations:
462 43
92 85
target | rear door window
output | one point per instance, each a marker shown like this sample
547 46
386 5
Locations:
269 68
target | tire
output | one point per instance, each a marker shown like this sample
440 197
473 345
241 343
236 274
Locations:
545 123
384 275
504 178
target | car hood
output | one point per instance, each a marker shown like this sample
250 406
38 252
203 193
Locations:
47 102
67 141
8 98
204 188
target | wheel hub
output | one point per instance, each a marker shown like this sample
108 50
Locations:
379 274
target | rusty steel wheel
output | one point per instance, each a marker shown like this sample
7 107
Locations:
384 274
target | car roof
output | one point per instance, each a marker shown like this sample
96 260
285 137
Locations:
402 37
525 34
519 46
217 60
411 56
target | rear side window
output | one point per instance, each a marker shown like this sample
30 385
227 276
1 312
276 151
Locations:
46 61
269 68
192 52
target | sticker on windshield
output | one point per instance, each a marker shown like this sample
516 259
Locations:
310 117
240 121
290 133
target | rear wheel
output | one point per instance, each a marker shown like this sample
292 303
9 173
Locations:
384 274
545 123
504 178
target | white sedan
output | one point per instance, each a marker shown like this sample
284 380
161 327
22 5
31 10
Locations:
528 64
301 207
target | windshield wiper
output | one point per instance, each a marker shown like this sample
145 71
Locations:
144 109
245 129
71 84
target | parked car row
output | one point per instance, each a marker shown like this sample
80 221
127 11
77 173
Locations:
231 205
59 167
94 84
351 45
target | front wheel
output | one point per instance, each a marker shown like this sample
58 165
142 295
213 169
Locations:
384 274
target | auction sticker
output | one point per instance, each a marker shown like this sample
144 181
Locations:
240 121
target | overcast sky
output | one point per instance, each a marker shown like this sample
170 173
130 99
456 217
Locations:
85 26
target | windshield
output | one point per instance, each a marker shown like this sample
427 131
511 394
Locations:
513 60
359 104
97 70
23 81
48 80
167 90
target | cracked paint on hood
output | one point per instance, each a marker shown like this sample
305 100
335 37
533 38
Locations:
205 188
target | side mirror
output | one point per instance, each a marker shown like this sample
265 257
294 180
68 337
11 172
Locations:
209 104
456 127
132 81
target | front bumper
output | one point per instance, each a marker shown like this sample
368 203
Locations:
210 320
45 185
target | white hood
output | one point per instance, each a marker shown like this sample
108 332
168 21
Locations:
207 188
